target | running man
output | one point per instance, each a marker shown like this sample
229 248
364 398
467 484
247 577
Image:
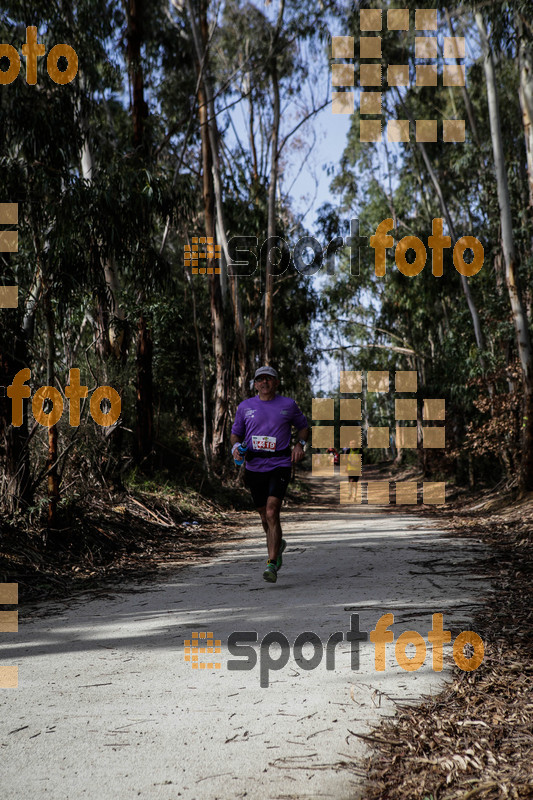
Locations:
263 423
353 468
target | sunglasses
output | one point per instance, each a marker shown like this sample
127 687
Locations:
264 378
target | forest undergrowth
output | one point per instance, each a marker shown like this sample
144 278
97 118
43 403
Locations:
474 741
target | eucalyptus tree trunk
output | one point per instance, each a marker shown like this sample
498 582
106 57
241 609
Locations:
201 36
215 293
272 186
110 316
110 320
474 314
523 340
16 334
15 470
201 45
205 426
525 61
464 91
476 322
139 112
139 109
51 461
241 365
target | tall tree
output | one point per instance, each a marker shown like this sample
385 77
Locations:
525 65
139 114
202 44
201 34
523 339
273 182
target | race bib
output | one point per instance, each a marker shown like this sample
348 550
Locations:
264 443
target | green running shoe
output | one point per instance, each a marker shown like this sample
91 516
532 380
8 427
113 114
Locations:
271 573
279 560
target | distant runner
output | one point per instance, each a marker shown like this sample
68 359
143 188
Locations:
353 468
263 423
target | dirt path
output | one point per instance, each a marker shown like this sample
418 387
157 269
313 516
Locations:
108 707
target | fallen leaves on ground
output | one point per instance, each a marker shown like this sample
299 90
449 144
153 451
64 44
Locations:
474 741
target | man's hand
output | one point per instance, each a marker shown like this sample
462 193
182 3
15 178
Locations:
238 451
297 453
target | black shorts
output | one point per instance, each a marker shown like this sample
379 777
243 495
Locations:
262 485
353 478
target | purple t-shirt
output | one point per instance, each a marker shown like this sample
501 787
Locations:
260 422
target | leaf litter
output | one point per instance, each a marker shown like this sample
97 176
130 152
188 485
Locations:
473 741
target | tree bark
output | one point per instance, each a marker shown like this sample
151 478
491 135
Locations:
215 294
15 473
253 149
145 413
139 112
520 320
51 461
110 315
201 44
201 364
272 186
476 322
139 108
525 61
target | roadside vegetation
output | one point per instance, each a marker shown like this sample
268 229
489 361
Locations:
474 740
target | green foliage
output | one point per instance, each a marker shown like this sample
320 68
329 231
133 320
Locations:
429 316
76 225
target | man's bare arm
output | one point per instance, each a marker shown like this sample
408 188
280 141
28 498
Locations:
297 451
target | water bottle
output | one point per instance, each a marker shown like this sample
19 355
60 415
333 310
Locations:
242 448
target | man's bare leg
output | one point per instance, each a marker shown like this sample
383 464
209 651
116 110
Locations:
264 520
262 513
271 525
